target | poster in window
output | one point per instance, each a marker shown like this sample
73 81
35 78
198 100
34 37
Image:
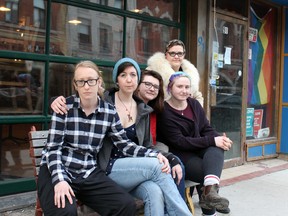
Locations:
249 122
258 117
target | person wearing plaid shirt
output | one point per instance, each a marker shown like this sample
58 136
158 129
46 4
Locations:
69 162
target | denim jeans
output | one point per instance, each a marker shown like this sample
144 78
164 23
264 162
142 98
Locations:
132 172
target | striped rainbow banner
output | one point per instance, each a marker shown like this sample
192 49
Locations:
260 69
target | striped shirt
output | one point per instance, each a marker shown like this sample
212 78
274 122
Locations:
75 139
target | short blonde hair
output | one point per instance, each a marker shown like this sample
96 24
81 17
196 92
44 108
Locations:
92 65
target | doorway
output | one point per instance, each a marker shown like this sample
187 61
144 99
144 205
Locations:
227 75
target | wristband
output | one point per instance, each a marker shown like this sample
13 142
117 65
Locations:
152 154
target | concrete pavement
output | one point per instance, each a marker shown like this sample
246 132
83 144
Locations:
255 189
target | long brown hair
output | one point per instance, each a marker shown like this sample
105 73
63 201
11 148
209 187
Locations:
158 103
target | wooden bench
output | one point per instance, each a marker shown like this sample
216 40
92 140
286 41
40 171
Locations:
188 196
38 139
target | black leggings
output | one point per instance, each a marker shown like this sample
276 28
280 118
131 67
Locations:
207 161
97 191
204 162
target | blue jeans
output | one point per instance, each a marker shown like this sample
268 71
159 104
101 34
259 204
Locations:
130 173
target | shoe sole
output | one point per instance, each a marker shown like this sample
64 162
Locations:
218 204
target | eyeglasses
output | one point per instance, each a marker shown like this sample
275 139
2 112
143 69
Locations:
90 82
173 54
149 85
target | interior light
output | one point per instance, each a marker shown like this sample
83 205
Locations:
75 22
5 9
136 10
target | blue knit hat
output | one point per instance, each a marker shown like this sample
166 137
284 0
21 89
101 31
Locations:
124 60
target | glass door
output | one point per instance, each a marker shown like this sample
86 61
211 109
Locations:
226 80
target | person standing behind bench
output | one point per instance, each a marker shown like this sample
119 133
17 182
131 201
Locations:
69 162
173 60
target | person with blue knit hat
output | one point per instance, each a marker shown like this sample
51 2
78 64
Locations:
157 195
144 178
125 60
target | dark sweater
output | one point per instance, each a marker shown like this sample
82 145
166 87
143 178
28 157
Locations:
184 135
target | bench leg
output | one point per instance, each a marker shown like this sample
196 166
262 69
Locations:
189 200
38 209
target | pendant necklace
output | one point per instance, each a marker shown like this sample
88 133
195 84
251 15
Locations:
128 112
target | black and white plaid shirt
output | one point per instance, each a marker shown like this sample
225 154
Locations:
75 139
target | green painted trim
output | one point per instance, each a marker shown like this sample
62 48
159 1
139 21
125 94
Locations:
17 186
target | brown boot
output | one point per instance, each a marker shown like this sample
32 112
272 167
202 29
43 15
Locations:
211 199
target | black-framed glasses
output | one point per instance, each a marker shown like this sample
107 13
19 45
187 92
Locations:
90 82
149 85
173 54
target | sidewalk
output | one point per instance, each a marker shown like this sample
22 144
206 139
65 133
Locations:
256 188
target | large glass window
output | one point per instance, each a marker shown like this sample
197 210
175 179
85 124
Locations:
60 79
78 32
22 30
12 15
31 73
143 38
39 13
21 86
261 73
160 9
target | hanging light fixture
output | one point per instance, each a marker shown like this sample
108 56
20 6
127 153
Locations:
75 22
4 9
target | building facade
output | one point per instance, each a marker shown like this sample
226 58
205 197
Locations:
238 47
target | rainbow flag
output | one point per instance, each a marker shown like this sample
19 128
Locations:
260 68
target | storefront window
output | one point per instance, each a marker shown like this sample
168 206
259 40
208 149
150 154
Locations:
23 30
33 69
85 33
160 9
261 73
15 161
143 39
21 86
60 79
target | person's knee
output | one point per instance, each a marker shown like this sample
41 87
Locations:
69 210
128 204
149 192
154 165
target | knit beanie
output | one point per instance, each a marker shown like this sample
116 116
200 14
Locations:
124 60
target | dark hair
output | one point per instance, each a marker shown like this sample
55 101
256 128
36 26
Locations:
174 42
158 103
122 67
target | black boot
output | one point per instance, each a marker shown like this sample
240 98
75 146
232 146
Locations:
211 199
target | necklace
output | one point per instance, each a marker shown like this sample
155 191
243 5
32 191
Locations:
128 111
178 110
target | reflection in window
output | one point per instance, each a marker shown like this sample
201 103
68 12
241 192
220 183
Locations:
104 2
39 14
118 4
83 40
147 38
21 86
12 15
20 30
156 8
105 38
60 79
84 34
